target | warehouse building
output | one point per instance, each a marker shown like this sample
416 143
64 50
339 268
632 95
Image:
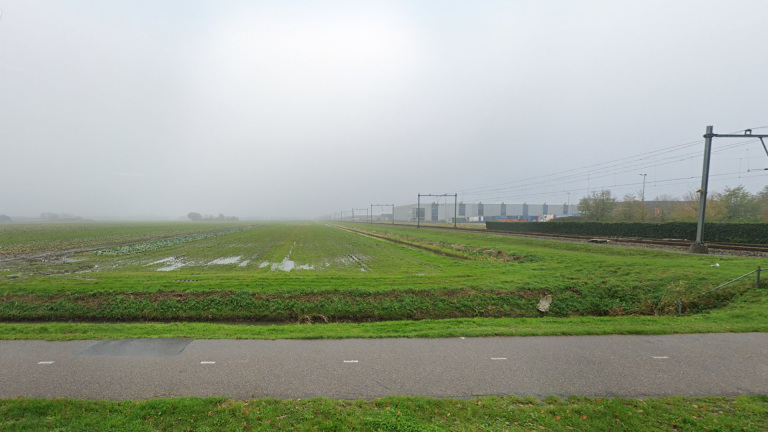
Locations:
481 212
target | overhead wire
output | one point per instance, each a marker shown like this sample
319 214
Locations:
654 159
669 182
613 162
610 170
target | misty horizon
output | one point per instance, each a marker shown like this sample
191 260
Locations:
133 110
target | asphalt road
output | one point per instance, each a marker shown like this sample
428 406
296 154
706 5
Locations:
629 366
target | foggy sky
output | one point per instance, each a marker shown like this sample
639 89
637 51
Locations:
301 108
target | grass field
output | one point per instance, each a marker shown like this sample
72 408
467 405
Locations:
747 413
208 280
316 273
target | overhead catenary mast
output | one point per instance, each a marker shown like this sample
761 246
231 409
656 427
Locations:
698 246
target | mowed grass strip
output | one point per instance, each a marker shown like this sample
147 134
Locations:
748 313
745 413
378 273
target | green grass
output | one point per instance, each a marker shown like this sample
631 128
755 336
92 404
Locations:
745 413
749 313
379 273
33 238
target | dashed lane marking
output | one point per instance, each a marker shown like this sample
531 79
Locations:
45 362
350 361
660 357
207 362
498 358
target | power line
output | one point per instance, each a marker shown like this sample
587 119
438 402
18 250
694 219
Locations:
613 162
666 182
607 171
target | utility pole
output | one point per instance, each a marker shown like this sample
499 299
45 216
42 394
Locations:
353 213
642 218
384 205
418 209
698 246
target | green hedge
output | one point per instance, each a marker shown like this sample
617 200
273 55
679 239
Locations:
754 233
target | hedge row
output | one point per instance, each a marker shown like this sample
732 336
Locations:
753 233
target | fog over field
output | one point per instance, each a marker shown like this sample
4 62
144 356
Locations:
146 109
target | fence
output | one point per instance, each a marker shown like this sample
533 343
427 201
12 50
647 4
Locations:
754 272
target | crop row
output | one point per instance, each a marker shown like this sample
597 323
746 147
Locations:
156 244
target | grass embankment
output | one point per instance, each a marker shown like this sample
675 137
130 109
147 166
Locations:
746 413
383 274
746 314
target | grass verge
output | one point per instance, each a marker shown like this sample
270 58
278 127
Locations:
749 313
747 413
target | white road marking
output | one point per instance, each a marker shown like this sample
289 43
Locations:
498 358
350 361
657 358
45 362
207 362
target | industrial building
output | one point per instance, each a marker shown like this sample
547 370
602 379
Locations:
480 212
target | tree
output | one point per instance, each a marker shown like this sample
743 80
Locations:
195 216
5 218
663 208
631 209
762 198
688 209
739 205
597 206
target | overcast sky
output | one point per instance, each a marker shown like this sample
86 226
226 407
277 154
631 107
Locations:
300 108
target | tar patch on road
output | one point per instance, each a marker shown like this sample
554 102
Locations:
137 348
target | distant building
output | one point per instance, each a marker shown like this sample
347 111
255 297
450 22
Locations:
481 212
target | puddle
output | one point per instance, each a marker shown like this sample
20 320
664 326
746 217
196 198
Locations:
244 263
287 264
351 260
228 260
175 266
156 348
69 260
172 264
162 261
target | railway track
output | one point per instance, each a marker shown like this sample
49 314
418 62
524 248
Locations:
654 242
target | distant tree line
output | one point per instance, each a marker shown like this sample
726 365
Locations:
195 216
59 217
731 205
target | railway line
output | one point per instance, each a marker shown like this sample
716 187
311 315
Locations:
677 243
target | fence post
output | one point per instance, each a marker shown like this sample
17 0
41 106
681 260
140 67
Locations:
758 277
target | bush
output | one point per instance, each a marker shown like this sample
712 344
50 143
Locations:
756 233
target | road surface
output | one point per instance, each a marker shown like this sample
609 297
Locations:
599 366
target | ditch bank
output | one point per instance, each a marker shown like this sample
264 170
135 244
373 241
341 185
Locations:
346 306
